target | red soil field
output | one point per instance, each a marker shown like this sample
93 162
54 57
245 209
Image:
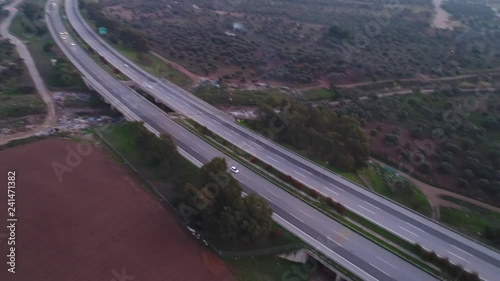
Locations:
95 225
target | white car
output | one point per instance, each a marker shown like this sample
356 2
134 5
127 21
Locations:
234 170
126 65
72 44
149 86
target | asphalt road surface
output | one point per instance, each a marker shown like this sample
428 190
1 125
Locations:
351 250
405 223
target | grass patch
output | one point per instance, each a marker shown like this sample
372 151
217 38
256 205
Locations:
264 268
218 95
12 106
154 65
470 219
317 95
389 185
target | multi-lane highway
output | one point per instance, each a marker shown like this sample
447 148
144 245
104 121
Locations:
349 249
393 217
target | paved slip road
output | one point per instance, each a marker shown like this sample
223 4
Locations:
393 217
349 249
22 50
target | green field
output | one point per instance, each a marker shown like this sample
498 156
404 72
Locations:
470 219
265 268
409 195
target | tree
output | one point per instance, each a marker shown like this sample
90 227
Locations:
47 47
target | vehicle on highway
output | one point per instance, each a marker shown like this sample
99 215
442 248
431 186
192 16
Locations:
126 65
72 44
234 169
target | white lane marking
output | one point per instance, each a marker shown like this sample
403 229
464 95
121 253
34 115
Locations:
210 123
181 101
375 207
467 253
182 134
297 218
272 159
408 231
332 191
458 256
366 209
380 269
228 134
335 242
386 262
304 213
414 227
341 235
273 193
300 174
306 171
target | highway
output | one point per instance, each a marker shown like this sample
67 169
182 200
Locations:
405 223
349 249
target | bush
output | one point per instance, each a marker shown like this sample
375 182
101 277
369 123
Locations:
446 168
391 139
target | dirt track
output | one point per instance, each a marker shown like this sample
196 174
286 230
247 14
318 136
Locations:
94 225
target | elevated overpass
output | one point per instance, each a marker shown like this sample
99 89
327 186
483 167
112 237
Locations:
405 223
350 250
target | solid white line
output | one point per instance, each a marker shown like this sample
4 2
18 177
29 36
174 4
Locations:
366 209
210 123
386 262
228 134
408 231
373 206
458 256
380 269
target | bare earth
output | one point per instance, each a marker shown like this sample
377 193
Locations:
97 224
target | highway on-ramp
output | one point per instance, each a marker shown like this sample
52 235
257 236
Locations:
405 223
349 249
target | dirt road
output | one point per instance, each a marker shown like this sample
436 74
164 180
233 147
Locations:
22 50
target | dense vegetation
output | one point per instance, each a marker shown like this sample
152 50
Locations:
17 94
316 132
301 42
222 210
212 199
447 138
131 38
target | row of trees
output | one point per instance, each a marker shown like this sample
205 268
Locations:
317 132
221 209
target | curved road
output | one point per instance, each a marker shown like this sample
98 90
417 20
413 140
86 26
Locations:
351 250
22 50
385 213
